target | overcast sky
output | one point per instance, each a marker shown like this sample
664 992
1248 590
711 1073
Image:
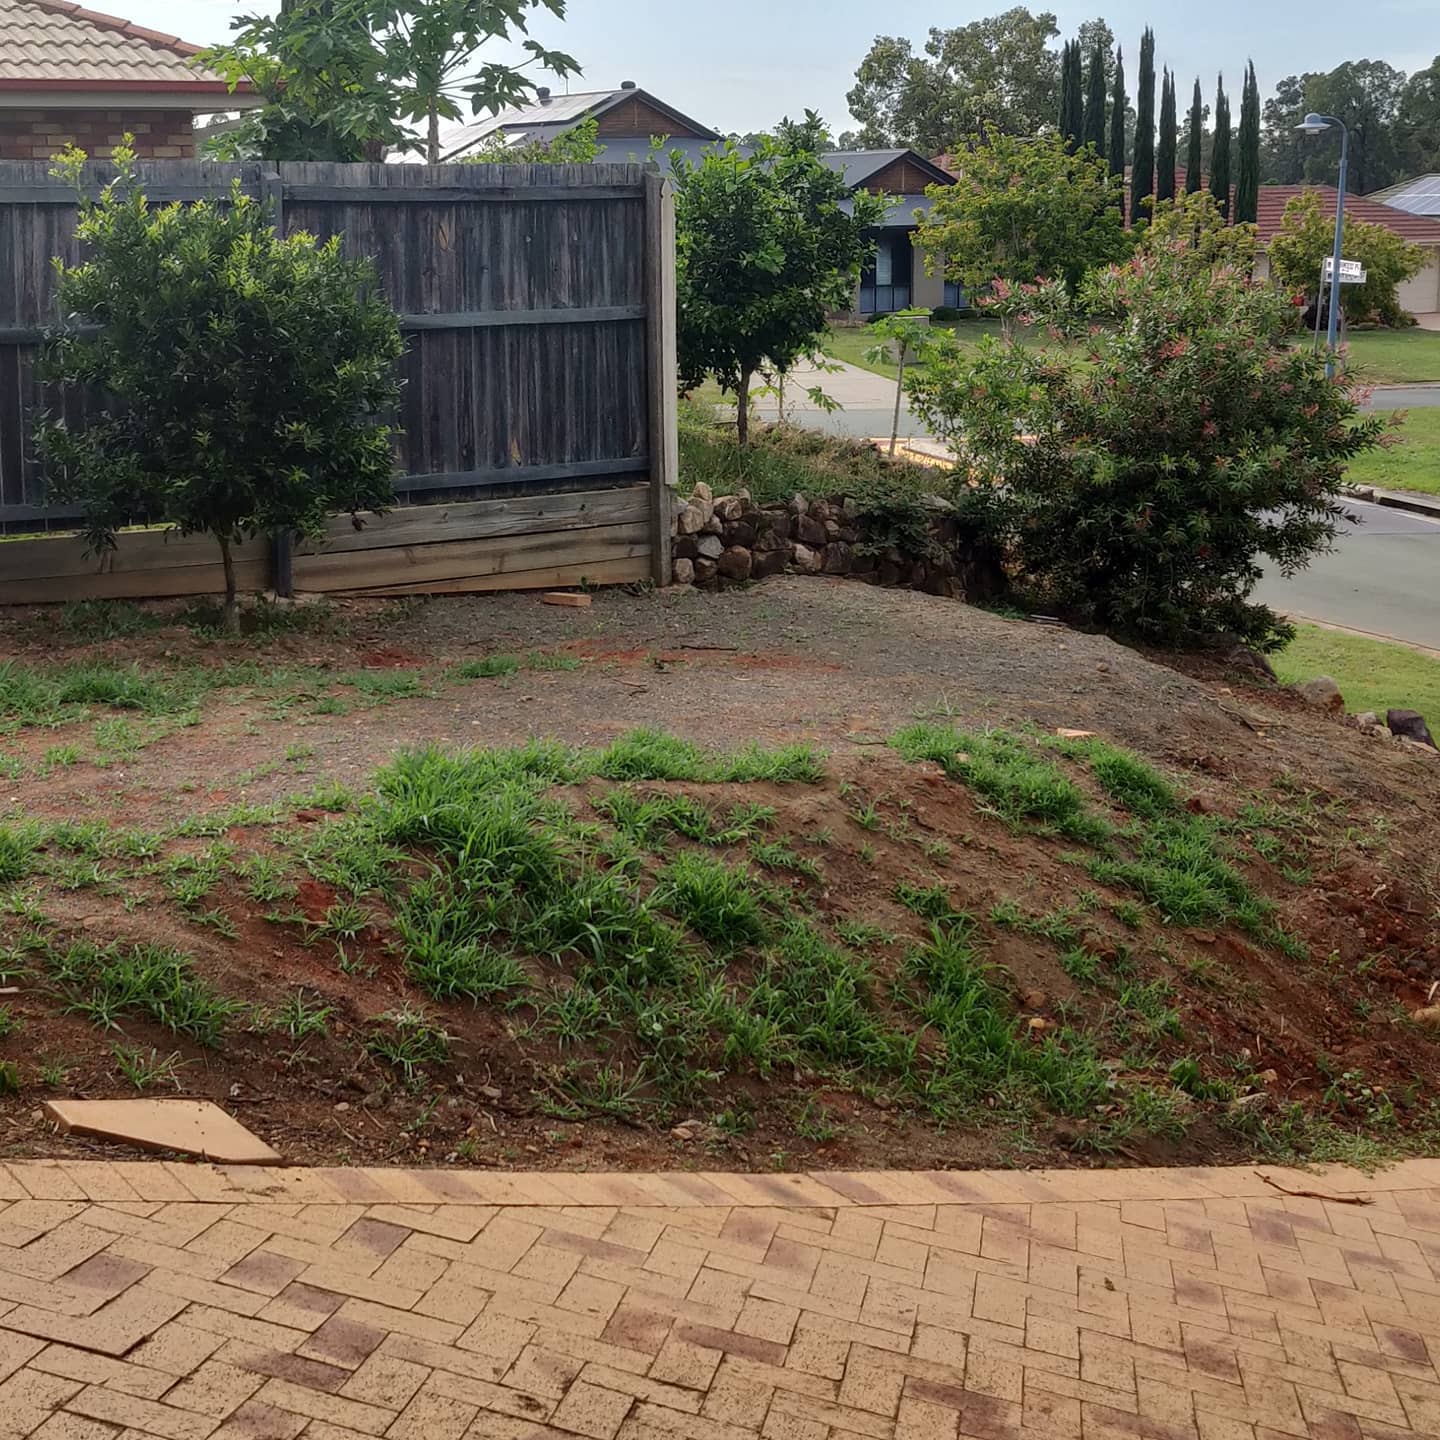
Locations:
741 64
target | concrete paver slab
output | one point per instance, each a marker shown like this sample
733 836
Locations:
185 1127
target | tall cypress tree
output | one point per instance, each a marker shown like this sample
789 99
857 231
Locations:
1142 171
1117 127
1195 154
1247 160
1220 153
1165 144
1095 100
1072 96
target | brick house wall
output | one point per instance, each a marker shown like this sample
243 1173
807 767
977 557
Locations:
39 134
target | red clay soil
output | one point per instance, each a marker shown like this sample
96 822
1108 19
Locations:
841 665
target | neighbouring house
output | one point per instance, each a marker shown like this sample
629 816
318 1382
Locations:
1419 295
74 76
1417 196
626 122
899 276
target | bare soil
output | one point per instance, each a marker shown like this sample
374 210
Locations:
836 663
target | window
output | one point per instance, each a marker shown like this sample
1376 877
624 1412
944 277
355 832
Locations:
954 296
885 280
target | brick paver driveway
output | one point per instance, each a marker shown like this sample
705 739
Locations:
189 1301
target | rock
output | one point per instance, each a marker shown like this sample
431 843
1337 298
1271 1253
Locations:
713 525
810 531
772 540
729 507
740 532
832 529
1418 745
1038 1024
1269 1077
1426 1015
1250 662
683 572
1249 1104
690 519
837 559
701 491
1035 1000
710 547
850 510
805 560
765 563
704 570
820 511
689 1130
1321 692
1410 724
888 573
1367 719
734 563
684 547
798 504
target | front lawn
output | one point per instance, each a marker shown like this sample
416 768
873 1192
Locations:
1371 674
1412 462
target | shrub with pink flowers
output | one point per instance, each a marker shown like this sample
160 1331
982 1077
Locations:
1141 479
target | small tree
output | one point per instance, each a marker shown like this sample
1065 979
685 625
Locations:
1117 131
1165 145
1095 100
767 246
1247 165
1195 143
1024 209
1307 236
1139 491
246 377
904 339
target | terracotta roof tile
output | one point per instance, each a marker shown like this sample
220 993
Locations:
53 43
1270 210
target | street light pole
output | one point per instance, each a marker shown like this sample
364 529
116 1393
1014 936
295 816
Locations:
1313 125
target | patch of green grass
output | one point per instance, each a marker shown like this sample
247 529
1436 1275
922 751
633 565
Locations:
9 1078
547 660
146 1071
299 1018
262 618
106 983
488 668
266 879
382 685
58 757
778 855
714 900
107 619
1021 786
1371 674
1395 357
408 1040
1410 460
18 844
654 755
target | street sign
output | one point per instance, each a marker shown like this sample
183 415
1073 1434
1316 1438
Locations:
1352 272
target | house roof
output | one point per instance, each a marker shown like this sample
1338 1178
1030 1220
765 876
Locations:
1419 195
858 166
545 117
1270 210
53 45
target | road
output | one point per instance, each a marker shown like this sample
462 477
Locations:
1383 576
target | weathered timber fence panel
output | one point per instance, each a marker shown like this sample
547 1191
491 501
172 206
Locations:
537 303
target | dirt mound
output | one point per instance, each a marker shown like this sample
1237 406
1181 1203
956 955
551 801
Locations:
911 927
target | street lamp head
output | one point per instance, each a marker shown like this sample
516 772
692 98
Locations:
1314 124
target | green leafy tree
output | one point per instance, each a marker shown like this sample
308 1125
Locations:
996 75
1220 150
1142 172
1143 487
1195 142
1284 151
1307 236
577 146
903 339
1418 120
767 245
1247 167
1368 96
1095 100
1024 209
1191 230
1116 157
1165 144
246 377
347 79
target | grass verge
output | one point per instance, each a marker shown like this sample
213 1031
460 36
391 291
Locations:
1372 674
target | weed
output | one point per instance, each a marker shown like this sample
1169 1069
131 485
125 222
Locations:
344 920
1128 913
104 983
106 619
382 685
777 855
1080 964
866 816
544 660
653 755
861 936
814 1123
299 1019
18 844
716 902
118 738
9 1078
9 1022
53 1071
58 757
1148 1011
329 795
144 1071
266 879
407 1040
929 902
581 1091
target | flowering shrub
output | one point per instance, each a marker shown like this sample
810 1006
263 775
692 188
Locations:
1139 481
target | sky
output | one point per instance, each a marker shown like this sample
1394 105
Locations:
739 65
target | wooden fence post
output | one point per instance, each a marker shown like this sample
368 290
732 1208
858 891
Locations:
661 363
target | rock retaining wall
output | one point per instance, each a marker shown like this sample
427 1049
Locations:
728 539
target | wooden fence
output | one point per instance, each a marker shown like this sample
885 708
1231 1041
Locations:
538 409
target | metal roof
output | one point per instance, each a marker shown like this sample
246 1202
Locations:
55 45
1420 196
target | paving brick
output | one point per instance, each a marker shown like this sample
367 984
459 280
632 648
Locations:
432 1416
151 1416
592 1410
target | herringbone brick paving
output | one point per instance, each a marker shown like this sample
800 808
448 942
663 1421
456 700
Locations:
190 1302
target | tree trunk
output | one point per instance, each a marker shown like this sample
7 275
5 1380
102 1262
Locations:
232 599
899 392
742 409
432 136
